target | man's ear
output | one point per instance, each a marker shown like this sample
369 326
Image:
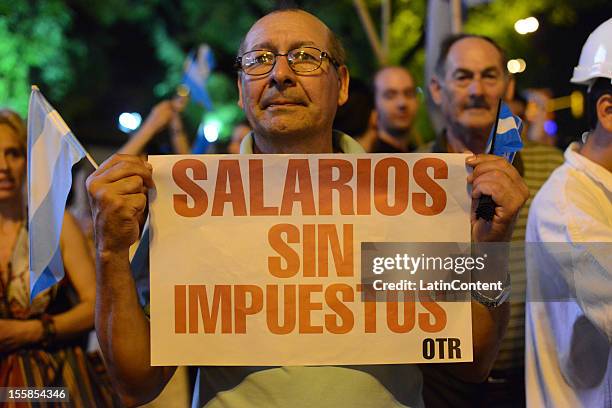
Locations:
239 83
343 83
603 108
435 89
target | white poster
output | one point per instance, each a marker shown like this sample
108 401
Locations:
255 260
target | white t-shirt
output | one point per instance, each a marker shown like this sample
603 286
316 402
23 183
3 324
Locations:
568 357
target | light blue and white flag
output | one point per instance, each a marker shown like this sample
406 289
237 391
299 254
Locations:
52 151
505 138
198 67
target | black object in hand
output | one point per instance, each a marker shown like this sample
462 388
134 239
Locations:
486 208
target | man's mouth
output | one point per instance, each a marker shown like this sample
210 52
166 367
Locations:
402 116
6 184
282 103
477 109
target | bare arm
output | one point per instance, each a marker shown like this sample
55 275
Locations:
158 120
495 177
118 200
81 272
139 140
178 137
79 319
488 328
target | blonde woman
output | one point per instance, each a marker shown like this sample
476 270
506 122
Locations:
38 339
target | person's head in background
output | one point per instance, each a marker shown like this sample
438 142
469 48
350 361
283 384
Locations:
13 148
538 116
357 117
239 132
396 104
594 70
469 80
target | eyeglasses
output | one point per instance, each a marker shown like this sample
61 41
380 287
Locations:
303 59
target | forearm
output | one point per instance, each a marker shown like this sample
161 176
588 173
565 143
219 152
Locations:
180 143
123 332
75 321
488 329
138 141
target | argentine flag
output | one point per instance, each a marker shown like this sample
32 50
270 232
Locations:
505 138
197 70
52 151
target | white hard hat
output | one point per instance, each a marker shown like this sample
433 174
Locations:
596 56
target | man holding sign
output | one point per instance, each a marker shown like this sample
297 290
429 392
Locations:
290 92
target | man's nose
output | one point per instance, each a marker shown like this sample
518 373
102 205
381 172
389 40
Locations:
475 87
3 163
282 75
402 103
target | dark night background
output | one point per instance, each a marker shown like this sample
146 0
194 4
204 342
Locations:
123 56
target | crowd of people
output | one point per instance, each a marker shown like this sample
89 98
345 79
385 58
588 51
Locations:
562 358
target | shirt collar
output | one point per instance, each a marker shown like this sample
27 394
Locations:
593 170
346 143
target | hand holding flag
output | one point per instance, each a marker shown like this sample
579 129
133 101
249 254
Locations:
505 141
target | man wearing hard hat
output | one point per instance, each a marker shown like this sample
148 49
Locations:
568 360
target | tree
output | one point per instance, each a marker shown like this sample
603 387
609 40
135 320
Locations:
34 49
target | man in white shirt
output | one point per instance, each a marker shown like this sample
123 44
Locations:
568 361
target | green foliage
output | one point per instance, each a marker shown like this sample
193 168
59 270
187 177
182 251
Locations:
34 49
38 43
406 29
172 57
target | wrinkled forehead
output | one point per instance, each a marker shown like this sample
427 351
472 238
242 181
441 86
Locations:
283 31
473 54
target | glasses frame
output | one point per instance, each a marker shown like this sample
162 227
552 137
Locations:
322 55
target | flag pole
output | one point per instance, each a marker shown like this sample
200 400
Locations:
91 159
495 126
486 205
368 25
456 16
87 155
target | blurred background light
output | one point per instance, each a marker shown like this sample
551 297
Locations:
513 66
550 127
532 24
516 66
128 122
527 25
211 130
577 104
